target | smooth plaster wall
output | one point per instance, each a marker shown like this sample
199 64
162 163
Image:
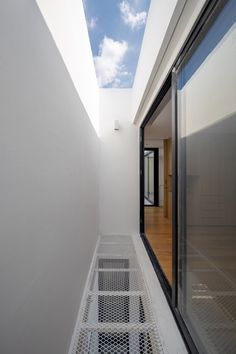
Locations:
49 155
119 176
67 24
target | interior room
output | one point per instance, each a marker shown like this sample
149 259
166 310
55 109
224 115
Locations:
158 184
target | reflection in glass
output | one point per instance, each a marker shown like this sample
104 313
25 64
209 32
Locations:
149 177
207 189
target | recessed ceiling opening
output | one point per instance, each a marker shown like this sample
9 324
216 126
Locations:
116 31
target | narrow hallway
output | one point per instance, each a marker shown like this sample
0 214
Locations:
117 313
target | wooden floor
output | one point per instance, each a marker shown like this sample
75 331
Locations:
159 234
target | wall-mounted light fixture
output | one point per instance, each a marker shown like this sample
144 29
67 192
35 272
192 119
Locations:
116 125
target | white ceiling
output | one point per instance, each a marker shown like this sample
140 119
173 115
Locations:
160 128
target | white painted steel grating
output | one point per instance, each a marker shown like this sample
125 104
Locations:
118 341
116 313
116 262
119 309
116 280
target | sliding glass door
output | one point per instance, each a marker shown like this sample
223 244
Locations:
206 115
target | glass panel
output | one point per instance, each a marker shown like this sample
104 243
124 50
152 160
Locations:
151 178
148 177
207 191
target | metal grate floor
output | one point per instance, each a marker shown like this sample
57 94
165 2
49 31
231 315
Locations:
115 280
116 313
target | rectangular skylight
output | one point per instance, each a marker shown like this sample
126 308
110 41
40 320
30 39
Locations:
116 29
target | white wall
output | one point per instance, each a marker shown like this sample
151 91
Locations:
66 21
119 177
49 188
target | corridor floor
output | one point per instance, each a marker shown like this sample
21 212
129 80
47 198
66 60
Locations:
116 314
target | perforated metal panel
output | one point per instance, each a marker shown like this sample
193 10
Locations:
116 262
116 280
120 309
117 341
116 314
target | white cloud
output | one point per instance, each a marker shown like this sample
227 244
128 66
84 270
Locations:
130 17
108 63
124 79
92 23
116 83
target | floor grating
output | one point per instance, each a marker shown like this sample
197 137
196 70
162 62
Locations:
116 313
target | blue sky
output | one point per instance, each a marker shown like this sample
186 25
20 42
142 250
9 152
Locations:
116 30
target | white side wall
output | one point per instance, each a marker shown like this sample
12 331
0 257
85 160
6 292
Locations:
119 177
49 155
66 21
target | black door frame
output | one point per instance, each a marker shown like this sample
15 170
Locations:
154 260
205 18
